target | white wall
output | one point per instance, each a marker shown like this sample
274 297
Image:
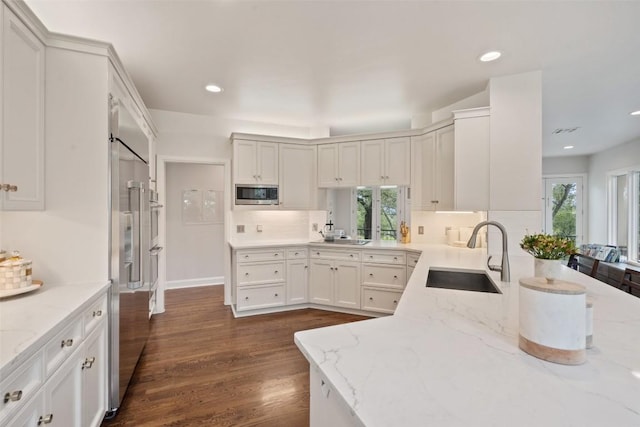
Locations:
68 242
619 157
194 251
565 165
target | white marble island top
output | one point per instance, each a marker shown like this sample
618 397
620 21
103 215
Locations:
29 320
451 358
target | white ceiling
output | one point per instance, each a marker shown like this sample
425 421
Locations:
360 63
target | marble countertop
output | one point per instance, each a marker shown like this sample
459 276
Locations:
451 358
28 321
373 244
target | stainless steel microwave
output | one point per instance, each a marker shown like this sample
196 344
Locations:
248 194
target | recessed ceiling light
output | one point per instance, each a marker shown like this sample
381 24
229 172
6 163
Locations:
213 88
568 147
635 113
490 56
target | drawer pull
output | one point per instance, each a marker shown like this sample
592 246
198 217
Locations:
336 269
317 253
46 419
97 313
296 254
13 396
275 272
331 268
306 266
88 362
370 256
370 274
66 343
246 274
370 298
395 277
351 255
246 298
246 256
276 254
275 295
395 301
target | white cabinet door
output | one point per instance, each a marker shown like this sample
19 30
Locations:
349 164
372 162
297 176
433 170
63 393
297 281
255 162
444 167
94 382
268 163
245 162
347 284
397 161
22 115
328 165
472 140
321 282
30 414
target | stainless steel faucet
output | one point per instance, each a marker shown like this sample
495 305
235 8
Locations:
505 275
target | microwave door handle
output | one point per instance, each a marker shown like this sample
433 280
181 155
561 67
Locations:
155 251
135 274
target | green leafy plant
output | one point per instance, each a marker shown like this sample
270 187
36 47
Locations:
546 246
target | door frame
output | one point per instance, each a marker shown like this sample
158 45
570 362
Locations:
585 202
161 182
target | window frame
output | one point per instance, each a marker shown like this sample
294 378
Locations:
633 210
375 207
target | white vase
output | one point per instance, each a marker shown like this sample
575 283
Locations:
547 268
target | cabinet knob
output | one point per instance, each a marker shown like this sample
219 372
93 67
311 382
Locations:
66 343
88 362
386 177
317 253
45 419
351 255
246 298
331 268
395 258
296 254
306 266
395 301
381 176
13 396
339 179
370 274
275 272
370 256
275 295
370 298
336 269
395 277
246 256
97 313
246 274
276 254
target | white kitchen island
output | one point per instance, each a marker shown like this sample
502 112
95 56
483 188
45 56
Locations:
451 358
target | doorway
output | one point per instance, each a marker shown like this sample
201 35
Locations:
563 207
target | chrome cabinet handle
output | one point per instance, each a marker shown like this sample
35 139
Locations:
46 419
13 396
66 343
97 313
88 362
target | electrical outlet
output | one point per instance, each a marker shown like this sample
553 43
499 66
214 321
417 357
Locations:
259 228
421 229
239 228
314 226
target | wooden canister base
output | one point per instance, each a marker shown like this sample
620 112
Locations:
555 355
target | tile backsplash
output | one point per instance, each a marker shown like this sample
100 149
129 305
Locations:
436 225
276 225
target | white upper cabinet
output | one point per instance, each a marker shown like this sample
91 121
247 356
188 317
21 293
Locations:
433 170
297 176
386 162
339 164
22 116
255 162
472 140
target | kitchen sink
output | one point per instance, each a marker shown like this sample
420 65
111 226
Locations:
476 281
359 242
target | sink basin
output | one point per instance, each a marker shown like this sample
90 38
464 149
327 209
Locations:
462 280
348 242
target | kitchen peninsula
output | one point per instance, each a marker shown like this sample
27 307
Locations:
451 358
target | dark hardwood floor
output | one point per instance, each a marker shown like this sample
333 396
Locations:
202 367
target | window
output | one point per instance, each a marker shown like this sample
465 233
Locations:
378 212
624 213
562 207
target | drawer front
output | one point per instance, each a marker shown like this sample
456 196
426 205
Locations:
387 257
380 300
255 274
94 314
261 297
59 348
333 254
20 386
412 259
253 256
386 275
297 253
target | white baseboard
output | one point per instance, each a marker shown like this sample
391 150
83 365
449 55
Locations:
192 283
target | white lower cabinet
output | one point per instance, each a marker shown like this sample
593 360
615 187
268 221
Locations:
297 281
326 408
65 388
253 298
335 282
